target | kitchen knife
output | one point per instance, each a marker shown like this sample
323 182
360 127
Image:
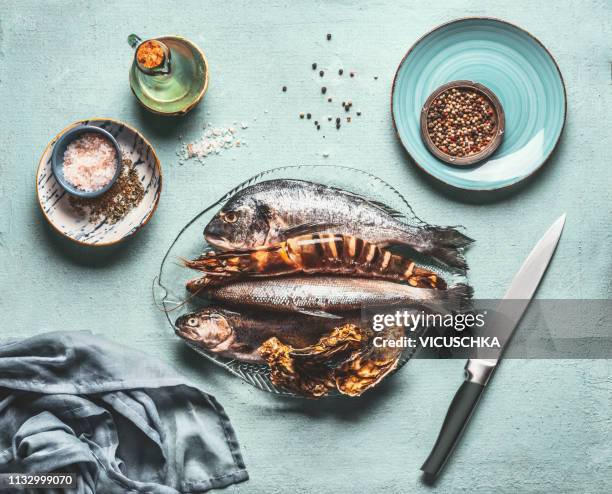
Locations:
478 371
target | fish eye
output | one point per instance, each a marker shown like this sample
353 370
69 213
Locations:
230 217
192 321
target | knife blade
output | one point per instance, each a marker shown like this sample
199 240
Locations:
478 371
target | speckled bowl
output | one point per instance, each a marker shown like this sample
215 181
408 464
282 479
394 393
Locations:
57 159
55 204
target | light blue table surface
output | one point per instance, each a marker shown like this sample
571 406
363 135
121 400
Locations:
543 426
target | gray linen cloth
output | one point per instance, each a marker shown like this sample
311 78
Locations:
125 422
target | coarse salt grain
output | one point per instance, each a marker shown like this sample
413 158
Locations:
213 142
90 162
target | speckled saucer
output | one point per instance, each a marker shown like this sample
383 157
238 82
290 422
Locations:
54 200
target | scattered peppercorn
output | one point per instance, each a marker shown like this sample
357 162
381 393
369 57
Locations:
301 115
340 72
348 119
321 73
337 120
318 127
316 122
375 77
314 66
329 119
358 113
284 89
328 36
323 90
308 116
352 74
329 99
461 122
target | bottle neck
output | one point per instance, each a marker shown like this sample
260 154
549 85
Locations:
152 57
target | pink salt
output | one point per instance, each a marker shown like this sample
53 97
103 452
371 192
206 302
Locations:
90 162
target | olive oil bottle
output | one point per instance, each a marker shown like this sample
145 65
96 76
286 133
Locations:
169 75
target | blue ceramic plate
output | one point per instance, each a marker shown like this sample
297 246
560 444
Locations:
510 62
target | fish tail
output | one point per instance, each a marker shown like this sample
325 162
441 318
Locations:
445 244
459 296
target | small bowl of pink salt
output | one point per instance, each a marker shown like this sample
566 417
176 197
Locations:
86 161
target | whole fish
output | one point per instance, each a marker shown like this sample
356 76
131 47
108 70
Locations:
273 211
239 335
320 295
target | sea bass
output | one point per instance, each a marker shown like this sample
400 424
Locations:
273 211
239 335
323 294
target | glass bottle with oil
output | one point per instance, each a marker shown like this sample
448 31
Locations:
169 75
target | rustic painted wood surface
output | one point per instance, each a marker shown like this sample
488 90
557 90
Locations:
544 426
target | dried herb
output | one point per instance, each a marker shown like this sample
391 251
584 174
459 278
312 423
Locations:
125 194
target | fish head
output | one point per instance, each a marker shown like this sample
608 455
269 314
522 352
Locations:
208 327
243 223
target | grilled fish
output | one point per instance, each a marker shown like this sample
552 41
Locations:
274 211
238 335
323 294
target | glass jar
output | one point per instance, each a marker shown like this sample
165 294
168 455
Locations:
169 75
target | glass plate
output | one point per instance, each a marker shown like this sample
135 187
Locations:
169 286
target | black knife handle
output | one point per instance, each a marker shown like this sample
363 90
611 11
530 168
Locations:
457 417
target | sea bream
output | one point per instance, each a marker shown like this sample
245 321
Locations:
331 294
273 211
238 335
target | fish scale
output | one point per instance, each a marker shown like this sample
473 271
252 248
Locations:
275 210
334 293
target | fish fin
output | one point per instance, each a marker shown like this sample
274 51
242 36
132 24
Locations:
304 228
388 209
380 205
243 348
444 244
318 313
